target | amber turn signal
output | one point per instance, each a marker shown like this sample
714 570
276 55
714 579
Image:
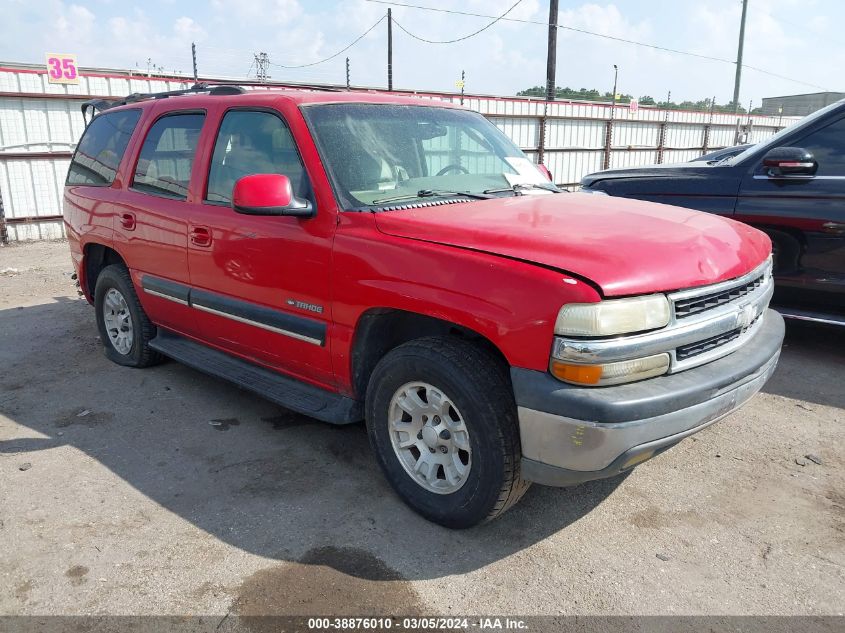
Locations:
610 373
579 374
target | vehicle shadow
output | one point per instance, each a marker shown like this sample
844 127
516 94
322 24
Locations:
809 345
263 479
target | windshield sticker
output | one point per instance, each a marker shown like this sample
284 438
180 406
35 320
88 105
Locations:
526 172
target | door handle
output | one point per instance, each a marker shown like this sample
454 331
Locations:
127 221
834 227
200 236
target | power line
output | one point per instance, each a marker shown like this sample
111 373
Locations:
623 40
768 72
465 37
342 50
810 31
560 26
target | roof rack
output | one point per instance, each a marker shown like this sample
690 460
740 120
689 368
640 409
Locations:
98 105
217 88
291 86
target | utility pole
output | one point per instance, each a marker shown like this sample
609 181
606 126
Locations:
738 75
4 234
661 141
608 129
463 83
613 97
389 49
750 125
347 73
709 127
551 56
262 66
194 58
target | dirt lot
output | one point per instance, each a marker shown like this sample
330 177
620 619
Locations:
163 491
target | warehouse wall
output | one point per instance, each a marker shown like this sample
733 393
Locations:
40 124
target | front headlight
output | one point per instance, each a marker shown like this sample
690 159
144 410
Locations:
614 316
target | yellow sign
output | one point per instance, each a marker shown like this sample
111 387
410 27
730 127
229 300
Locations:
459 84
61 69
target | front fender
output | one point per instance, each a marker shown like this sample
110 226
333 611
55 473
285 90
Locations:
511 303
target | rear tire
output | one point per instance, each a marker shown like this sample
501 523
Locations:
125 329
470 443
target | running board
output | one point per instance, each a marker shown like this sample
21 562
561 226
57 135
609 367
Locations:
807 315
287 392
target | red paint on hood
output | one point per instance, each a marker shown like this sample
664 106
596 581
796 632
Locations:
625 246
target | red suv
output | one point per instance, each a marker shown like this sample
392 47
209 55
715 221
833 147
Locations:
356 256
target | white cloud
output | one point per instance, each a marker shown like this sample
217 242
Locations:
74 24
606 20
505 58
770 44
187 30
261 12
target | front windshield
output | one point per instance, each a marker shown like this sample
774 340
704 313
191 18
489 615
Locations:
380 154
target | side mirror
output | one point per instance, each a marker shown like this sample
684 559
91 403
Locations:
783 162
268 194
545 171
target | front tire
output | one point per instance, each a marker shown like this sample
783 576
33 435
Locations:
442 422
125 329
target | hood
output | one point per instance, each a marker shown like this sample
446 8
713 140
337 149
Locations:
624 246
671 170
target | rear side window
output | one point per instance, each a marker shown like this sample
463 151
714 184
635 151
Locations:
164 165
101 148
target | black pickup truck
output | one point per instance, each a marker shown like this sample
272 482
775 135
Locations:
792 186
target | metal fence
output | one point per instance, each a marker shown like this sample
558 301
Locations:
40 123
574 139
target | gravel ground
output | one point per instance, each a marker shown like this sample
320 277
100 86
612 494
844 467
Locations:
164 491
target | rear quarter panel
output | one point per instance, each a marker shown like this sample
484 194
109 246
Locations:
90 211
89 219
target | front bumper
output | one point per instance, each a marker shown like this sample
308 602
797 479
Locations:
572 434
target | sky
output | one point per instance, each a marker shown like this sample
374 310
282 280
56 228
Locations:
796 39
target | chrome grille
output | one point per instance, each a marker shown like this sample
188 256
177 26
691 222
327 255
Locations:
694 305
688 351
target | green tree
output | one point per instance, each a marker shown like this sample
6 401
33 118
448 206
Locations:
591 94
536 91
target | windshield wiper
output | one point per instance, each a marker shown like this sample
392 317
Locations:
518 187
429 193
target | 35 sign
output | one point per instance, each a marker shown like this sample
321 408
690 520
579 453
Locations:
61 69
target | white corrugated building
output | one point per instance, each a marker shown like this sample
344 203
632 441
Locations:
40 124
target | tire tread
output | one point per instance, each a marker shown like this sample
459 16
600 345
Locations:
468 357
148 356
